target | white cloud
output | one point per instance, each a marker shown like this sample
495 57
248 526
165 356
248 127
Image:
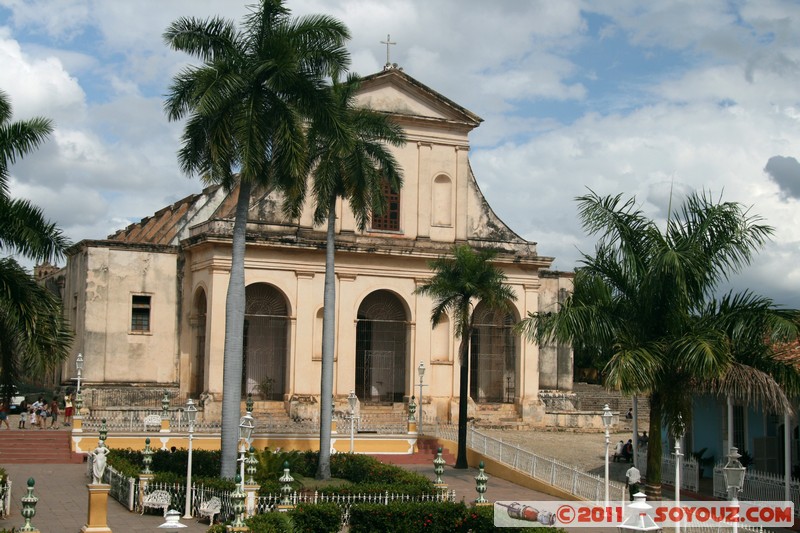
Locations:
38 87
715 100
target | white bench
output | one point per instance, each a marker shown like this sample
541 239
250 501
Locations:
152 420
210 508
158 499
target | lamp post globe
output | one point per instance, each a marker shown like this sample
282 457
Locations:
733 473
246 425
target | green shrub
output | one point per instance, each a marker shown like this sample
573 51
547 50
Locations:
481 520
317 518
217 528
406 517
270 523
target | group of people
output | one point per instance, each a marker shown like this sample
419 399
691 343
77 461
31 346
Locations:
624 450
40 414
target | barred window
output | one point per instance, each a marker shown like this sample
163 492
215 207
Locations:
390 219
140 313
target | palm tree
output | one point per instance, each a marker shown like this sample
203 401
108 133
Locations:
352 163
647 298
247 105
33 334
457 286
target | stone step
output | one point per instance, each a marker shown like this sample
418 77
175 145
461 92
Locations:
36 446
427 449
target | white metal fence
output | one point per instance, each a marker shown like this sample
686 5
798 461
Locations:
551 471
759 486
690 474
126 491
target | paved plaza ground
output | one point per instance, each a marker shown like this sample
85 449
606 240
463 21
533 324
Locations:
581 449
63 495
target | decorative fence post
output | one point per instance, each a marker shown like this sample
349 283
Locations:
412 419
29 507
251 487
165 412
237 498
146 475
103 430
334 420
480 482
438 469
286 489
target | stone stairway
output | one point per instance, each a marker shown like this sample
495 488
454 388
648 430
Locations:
591 397
497 416
427 447
34 446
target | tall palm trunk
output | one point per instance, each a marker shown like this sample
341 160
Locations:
234 341
328 341
463 397
653 476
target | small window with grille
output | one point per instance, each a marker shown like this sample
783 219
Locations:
390 219
140 314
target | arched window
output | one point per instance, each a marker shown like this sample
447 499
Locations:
440 340
266 342
381 340
442 202
493 361
317 336
197 364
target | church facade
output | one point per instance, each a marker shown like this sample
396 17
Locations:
148 303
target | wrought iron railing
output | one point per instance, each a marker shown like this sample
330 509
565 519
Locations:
759 486
550 470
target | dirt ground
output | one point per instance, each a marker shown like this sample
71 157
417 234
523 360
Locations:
583 450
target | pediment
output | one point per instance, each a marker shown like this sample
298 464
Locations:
395 92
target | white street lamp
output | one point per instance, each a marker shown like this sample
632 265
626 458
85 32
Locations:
607 417
679 431
172 521
639 519
421 372
734 472
246 425
191 415
351 400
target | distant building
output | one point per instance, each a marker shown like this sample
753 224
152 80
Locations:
148 303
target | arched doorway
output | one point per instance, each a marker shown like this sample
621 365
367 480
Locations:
266 342
493 356
197 365
381 341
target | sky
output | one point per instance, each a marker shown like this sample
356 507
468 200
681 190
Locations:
653 100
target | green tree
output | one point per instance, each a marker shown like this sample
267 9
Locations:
246 107
647 297
458 285
33 334
350 162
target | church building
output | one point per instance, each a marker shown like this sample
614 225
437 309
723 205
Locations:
148 303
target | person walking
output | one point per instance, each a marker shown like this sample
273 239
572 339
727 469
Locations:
68 408
632 479
4 416
54 413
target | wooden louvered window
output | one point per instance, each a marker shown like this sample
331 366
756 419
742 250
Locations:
390 219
